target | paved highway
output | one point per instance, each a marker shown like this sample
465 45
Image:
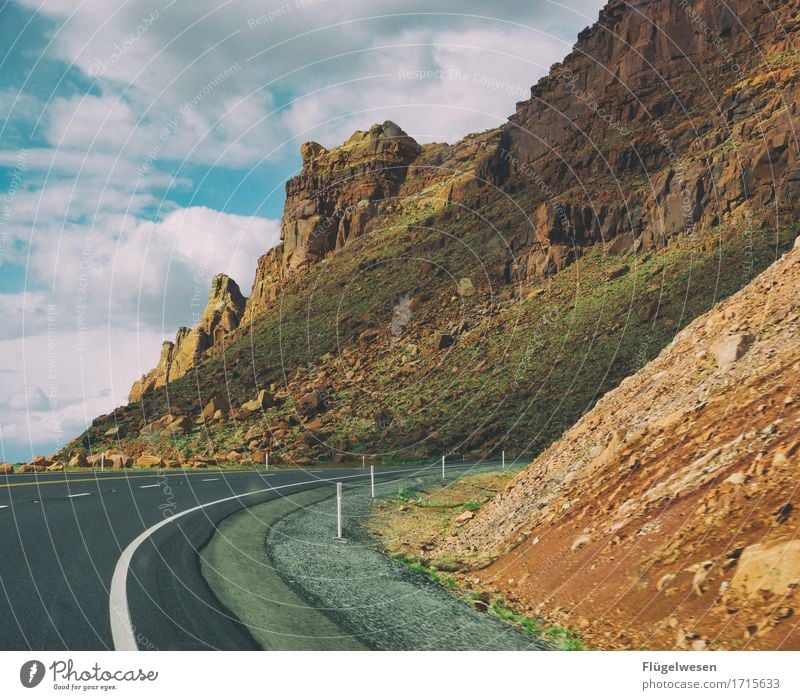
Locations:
108 560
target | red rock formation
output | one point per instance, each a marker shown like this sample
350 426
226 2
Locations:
222 315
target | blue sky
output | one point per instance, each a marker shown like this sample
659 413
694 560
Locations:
144 146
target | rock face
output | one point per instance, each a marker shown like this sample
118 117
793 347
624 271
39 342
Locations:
657 477
222 314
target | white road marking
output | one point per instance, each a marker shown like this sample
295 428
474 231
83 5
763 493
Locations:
78 495
148 486
3 506
210 479
122 632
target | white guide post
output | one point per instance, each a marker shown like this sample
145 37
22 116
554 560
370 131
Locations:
339 509
372 478
363 461
266 461
504 459
442 466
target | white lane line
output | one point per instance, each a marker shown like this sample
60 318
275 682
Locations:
210 479
122 632
3 506
78 495
148 486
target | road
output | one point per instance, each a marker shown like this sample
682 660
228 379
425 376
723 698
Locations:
108 560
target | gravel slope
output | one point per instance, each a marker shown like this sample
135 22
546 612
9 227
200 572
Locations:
381 602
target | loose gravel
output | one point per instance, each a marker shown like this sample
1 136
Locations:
381 602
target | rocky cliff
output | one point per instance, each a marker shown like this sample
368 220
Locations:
222 314
484 294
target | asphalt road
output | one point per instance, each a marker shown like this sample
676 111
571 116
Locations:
62 536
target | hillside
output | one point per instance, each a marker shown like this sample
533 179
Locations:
483 295
667 516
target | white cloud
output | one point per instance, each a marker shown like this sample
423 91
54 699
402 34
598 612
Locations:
59 388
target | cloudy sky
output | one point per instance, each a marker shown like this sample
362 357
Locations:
144 146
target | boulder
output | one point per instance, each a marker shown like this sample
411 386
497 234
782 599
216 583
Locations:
6 468
55 467
617 271
117 460
262 402
28 468
179 426
443 340
304 461
216 403
150 462
465 287
41 461
171 464
79 459
370 335
774 568
731 349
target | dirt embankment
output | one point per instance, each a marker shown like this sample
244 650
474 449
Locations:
667 517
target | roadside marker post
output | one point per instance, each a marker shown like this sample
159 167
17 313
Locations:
339 510
442 467
504 459
266 461
363 461
372 479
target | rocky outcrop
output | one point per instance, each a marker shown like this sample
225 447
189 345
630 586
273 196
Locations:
666 118
222 314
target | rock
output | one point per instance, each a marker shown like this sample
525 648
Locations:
28 468
464 517
425 269
79 459
216 403
41 461
56 467
171 464
731 349
180 426
774 568
617 271
6 468
304 461
443 340
150 462
223 314
311 403
262 402
580 542
465 287
370 335
117 460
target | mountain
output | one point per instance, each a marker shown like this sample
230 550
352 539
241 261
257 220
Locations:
667 516
483 295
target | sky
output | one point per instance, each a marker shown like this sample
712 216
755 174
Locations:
144 147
